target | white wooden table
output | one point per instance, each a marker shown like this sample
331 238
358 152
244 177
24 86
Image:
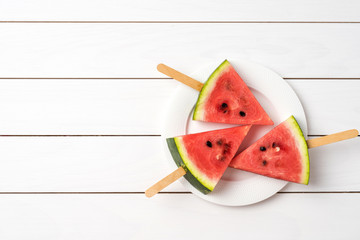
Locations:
81 104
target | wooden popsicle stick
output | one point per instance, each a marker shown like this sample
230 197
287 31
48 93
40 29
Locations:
336 137
166 181
168 71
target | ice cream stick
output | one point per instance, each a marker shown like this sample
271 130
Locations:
336 137
168 71
166 181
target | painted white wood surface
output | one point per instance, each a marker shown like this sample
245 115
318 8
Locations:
184 10
125 50
100 107
132 164
131 48
73 217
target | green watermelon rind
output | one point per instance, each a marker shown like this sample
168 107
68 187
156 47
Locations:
302 146
207 89
193 177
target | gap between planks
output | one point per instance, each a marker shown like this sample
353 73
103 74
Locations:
191 22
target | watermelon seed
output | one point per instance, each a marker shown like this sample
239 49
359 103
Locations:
243 114
277 149
228 85
264 163
262 148
224 105
219 142
209 144
274 145
226 148
222 158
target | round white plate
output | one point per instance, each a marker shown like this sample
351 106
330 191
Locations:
236 187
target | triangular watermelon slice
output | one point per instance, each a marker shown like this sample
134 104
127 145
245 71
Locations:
205 156
282 153
225 98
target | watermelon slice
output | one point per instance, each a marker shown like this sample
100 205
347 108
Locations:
225 98
282 153
205 156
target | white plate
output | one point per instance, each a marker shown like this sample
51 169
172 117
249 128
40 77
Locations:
236 188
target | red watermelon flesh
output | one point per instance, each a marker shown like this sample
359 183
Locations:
282 153
205 156
225 98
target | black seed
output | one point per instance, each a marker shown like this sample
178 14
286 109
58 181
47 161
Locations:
225 151
264 162
209 144
243 114
274 144
219 142
224 107
262 148
227 146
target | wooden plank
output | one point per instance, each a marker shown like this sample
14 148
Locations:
83 106
132 164
87 164
185 10
125 50
283 217
100 107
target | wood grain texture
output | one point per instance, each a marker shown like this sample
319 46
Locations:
101 107
132 164
106 50
185 10
283 217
